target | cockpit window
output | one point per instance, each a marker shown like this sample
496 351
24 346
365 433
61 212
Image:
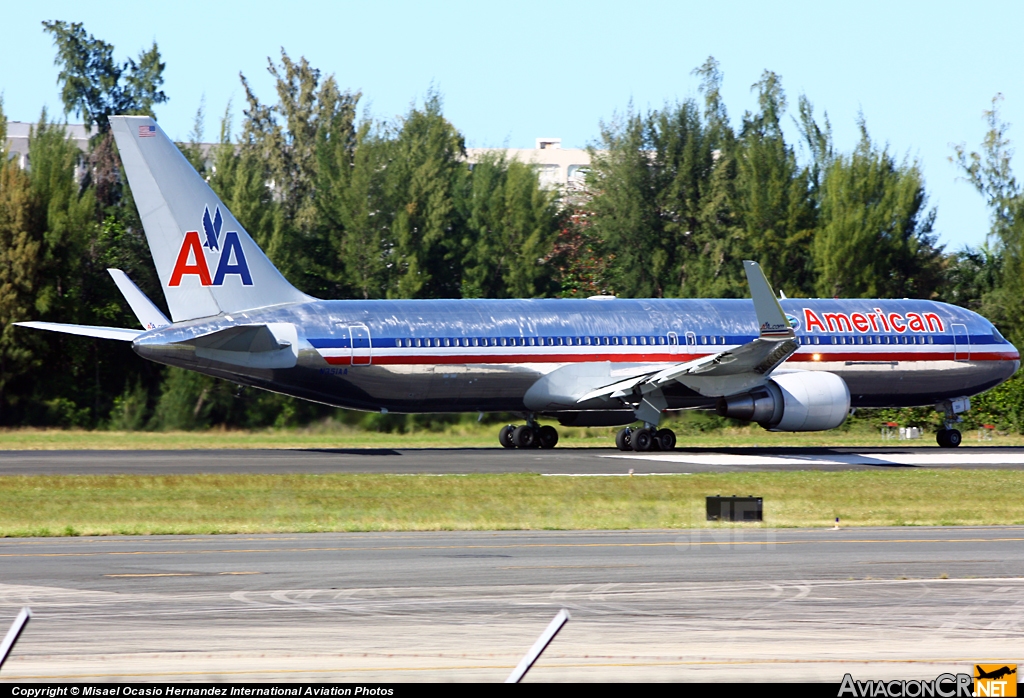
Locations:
996 336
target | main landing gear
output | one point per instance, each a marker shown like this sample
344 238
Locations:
645 439
528 436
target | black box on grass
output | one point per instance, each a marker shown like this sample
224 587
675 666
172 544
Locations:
734 508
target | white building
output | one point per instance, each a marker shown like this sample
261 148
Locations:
557 166
18 133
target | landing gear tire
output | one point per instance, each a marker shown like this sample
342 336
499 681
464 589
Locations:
622 439
641 439
666 439
505 436
547 436
948 438
524 437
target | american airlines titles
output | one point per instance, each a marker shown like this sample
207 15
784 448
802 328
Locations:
877 321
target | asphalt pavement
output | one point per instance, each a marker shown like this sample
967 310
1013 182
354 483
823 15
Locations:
732 604
559 461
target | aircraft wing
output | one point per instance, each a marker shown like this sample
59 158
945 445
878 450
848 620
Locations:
775 344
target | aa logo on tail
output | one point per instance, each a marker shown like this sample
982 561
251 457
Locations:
227 254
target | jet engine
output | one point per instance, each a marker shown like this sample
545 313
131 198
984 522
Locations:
799 401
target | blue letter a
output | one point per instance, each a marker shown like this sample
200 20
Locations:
240 267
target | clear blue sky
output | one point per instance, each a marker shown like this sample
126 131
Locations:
921 72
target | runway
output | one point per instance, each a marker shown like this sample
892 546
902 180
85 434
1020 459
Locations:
559 461
741 604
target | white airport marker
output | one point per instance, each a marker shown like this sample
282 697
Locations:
12 635
539 646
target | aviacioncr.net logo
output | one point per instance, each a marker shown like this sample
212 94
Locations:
193 260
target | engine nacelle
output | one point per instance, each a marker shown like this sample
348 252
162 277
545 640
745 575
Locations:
799 401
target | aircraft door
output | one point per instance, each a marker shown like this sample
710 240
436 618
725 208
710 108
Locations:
691 339
961 343
673 343
362 347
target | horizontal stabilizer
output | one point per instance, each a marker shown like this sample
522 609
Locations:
145 310
85 330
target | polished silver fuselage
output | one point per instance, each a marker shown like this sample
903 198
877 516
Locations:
484 355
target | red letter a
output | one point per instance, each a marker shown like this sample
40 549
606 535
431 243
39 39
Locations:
811 321
181 267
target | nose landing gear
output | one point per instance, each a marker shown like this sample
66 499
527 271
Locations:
948 437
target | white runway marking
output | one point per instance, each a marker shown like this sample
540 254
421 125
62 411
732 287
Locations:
957 458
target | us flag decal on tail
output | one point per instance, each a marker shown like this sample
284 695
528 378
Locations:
147 131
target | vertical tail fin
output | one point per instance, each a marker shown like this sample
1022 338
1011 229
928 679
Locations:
206 262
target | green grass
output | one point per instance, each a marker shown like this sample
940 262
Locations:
457 436
201 504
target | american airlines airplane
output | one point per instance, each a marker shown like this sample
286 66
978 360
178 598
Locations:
788 365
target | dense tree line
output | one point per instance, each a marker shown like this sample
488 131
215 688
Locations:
349 206
679 197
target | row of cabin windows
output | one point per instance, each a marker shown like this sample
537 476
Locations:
689 339
552 341
871 339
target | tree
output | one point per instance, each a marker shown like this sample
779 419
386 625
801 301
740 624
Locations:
425 172
286 140
352 207
623 208
875 238
511 224
662 198
95 86
776 207
19 264
991 173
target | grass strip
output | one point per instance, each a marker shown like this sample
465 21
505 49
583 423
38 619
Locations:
43 505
